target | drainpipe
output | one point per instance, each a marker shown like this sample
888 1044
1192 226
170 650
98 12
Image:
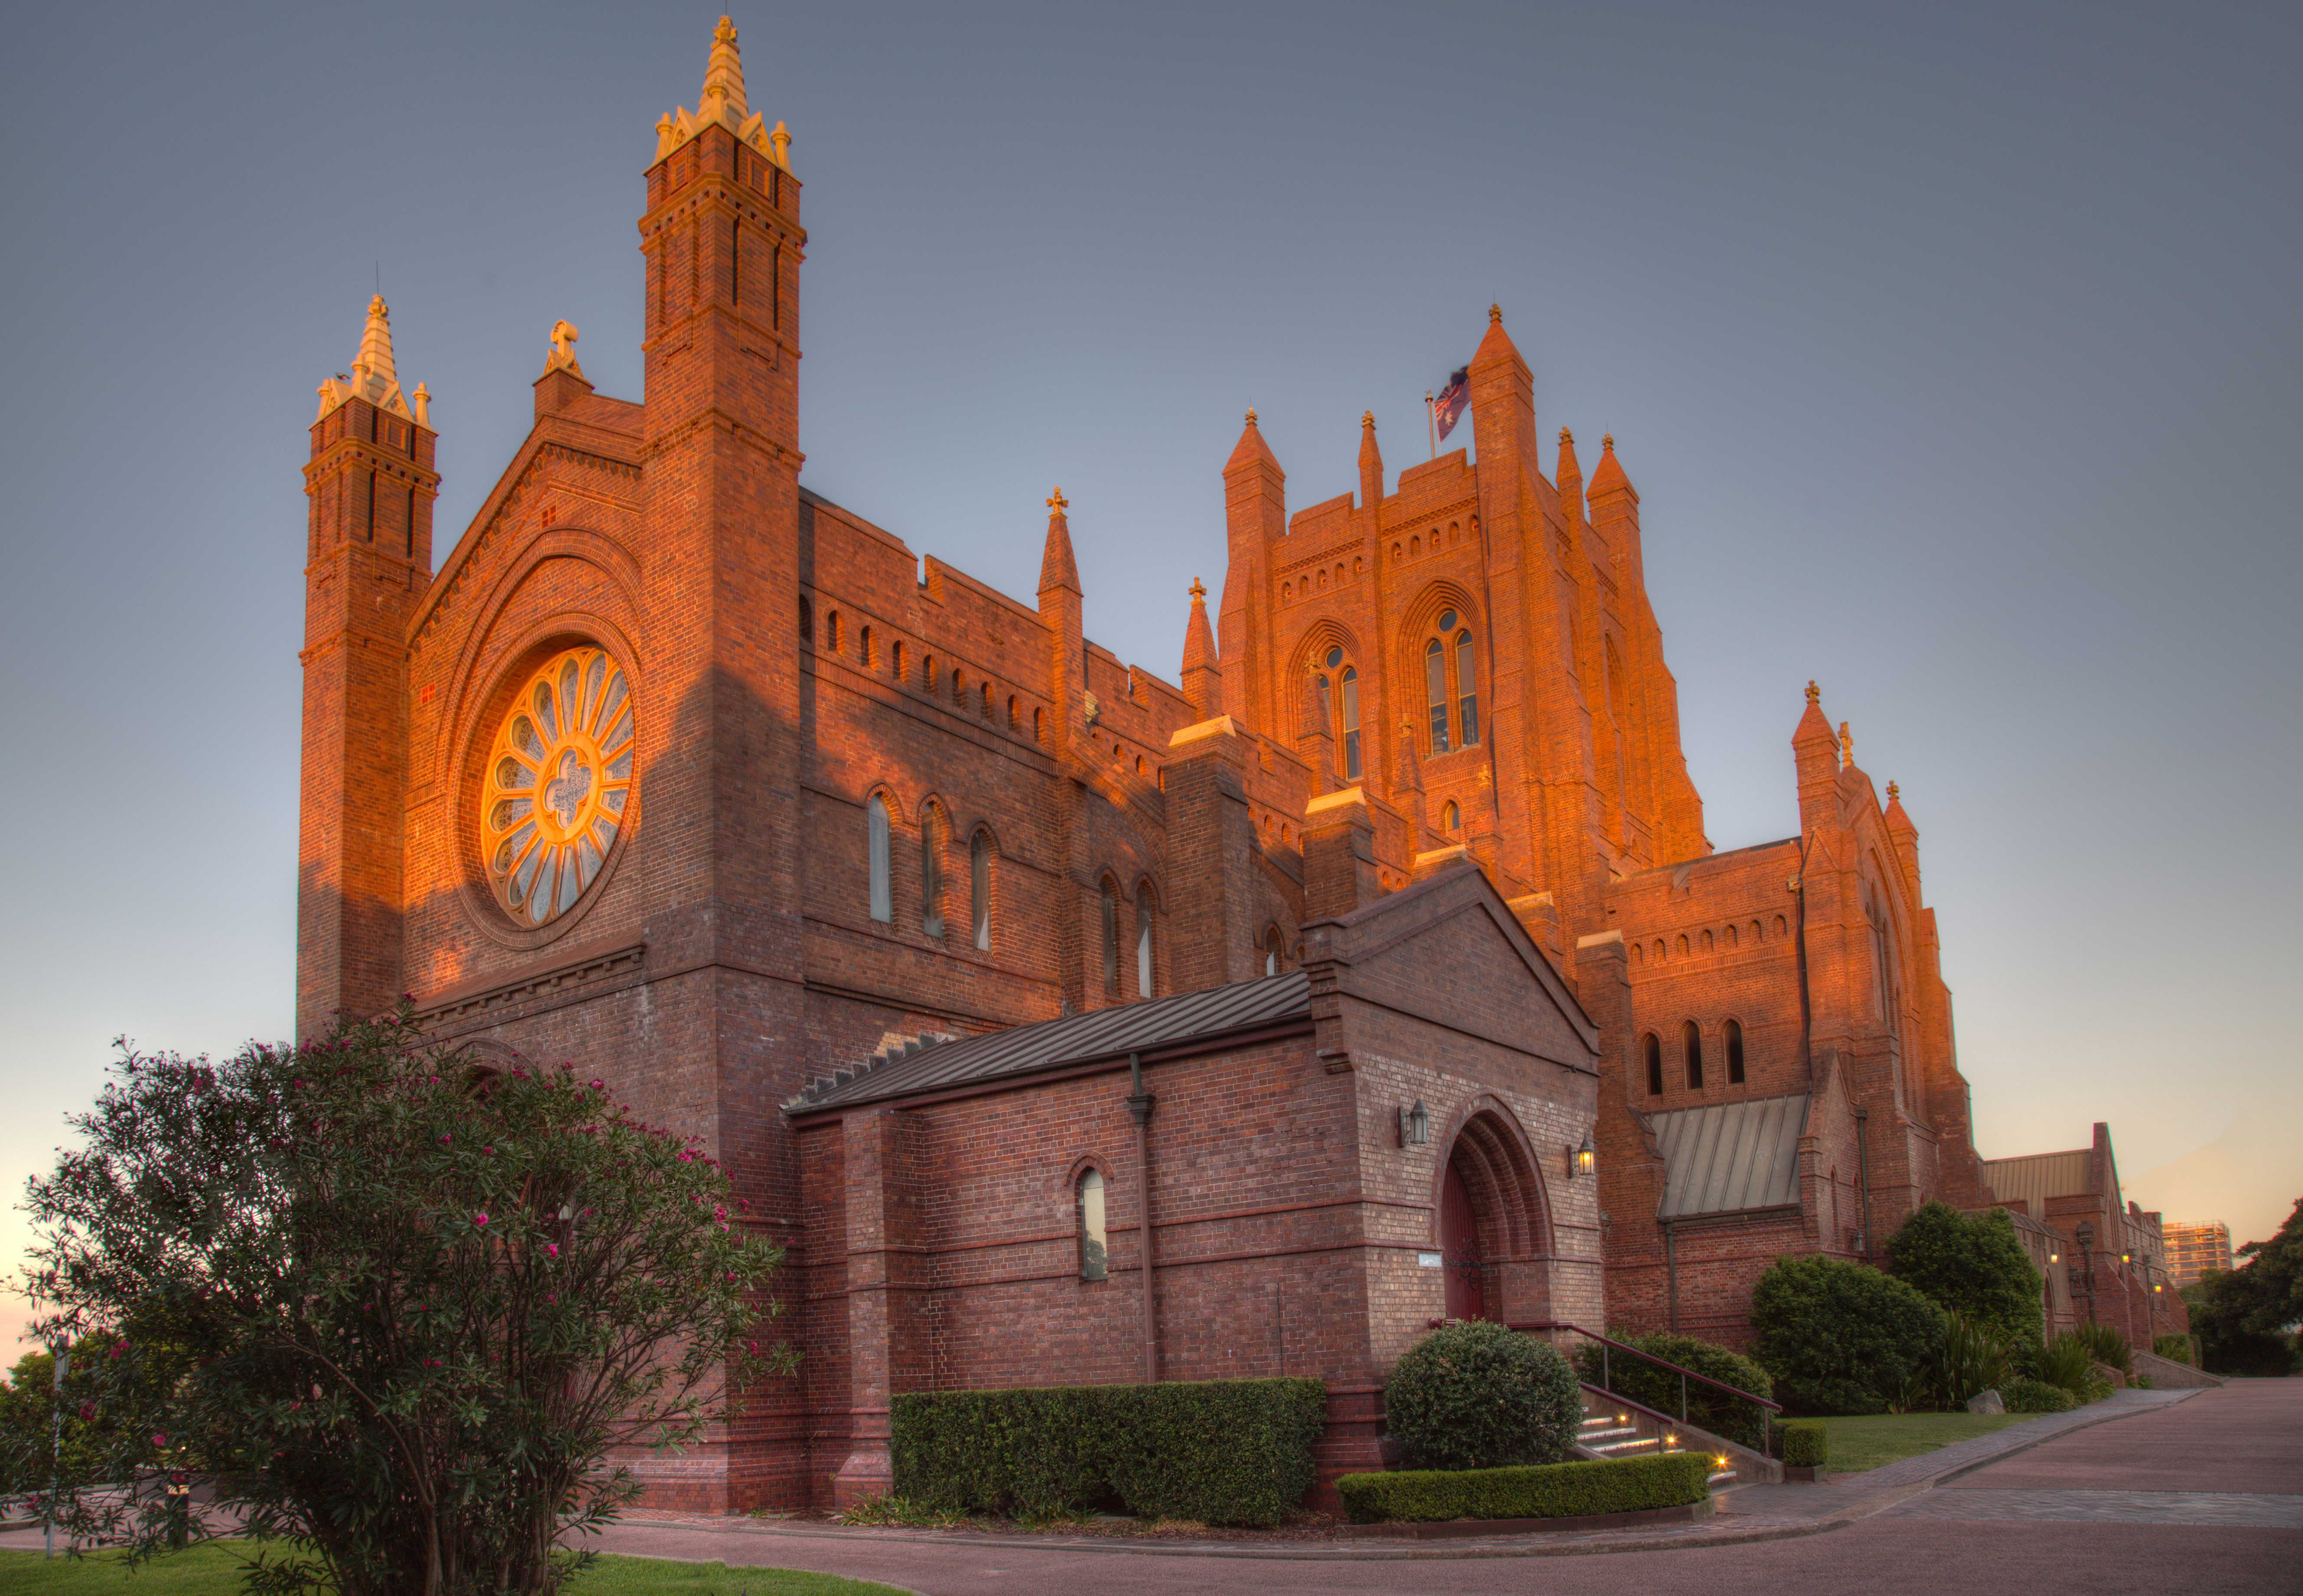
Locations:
1863 1173
1671 1271
1139 1104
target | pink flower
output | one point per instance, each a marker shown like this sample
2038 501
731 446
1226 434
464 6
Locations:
599 1086
755 1346
744 1204
445 1139
479 1219
489 1151
159 1440
552 1247
87 1410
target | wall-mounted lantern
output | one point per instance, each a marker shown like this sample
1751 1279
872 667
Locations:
1414 1125
1582 1159
2055 1257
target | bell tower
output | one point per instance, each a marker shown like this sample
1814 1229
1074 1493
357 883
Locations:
369 486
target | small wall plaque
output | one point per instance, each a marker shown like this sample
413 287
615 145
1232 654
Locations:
1428 1260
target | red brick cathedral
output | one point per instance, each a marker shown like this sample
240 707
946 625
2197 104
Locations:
1065 1024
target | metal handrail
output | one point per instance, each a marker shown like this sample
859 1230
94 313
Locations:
1684 1374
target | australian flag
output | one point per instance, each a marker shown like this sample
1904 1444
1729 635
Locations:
1447 409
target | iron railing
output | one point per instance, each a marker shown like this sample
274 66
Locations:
1609 1347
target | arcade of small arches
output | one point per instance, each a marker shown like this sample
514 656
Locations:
1690 945
981 699
1689 1062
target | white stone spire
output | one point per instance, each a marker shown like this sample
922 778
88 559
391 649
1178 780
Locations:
721 101
372 378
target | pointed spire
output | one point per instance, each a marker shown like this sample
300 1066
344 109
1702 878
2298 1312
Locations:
373 377
1250 447
1568 467
1056 567
1497 344
1846 744
1199 639
1371 463
1609 473
1813 728
721 101
1899 824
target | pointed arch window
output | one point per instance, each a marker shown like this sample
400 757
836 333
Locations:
1350 696
1110 939
1451 819
1735 1041
875 830
1690 1042
1435 692
1652 1046
1088 1195
931 871
1271 951
979 888
1467 689
1143 941
807 622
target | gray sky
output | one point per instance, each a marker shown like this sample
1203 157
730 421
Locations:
1952 351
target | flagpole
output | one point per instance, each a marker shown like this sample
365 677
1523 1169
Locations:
1431 423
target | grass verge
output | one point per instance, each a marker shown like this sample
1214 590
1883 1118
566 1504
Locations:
214 1571
1858 1444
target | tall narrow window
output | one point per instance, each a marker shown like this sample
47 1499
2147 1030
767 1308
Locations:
931 871
979 888
807 622
864 650
1143 942
1093 1257
1734 1053
1110 939
1692 1044
1451 819
1327 708
1654 1047
1467 690
1272 952
898 658
875 828
832 628
1435 692
1351 724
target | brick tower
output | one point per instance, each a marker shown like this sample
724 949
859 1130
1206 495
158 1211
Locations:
368 561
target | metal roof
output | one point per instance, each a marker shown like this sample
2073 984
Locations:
1730 1157
2033 1178
1079 1038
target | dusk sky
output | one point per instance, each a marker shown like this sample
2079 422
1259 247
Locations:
1953 353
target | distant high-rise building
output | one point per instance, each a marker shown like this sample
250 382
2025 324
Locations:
2196 1249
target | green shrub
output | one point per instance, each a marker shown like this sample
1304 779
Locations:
2175 1349
1660 1389
2068 1362
1839 1337
1973 1264
1807 1443
1475 1395
2105 1345
1551 1490
1971 1359
2023 1394
1219 1451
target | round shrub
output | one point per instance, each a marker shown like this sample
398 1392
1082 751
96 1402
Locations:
1839 1337
1475 1395
2036 1396
1973 1264
1650 1387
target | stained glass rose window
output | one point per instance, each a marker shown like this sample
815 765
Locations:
557 778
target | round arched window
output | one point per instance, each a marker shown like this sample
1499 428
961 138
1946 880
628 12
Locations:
558 779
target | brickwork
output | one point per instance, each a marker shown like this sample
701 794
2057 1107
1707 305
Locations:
1430 752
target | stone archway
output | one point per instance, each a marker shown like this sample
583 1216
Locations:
1493 1219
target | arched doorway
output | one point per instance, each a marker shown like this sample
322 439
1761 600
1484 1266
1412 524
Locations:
1459 1247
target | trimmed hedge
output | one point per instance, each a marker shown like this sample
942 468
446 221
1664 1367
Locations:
1474 1395
1542 1490
2036 1396
1807 1444
1215 1451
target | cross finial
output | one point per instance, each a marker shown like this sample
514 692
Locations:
1055 504
1367 418
1251 416
1846 743
1198 591
1892 792
1495 313
1607 441
1565 436
1814 694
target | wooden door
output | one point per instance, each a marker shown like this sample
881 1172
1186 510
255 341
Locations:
1459 1249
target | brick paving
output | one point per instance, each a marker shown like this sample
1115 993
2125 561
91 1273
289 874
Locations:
2253 1508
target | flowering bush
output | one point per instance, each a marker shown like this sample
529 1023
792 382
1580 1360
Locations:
408 1310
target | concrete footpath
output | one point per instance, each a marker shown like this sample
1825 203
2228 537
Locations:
2147 1492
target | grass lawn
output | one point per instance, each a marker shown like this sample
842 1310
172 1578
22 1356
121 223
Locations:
214 1571
1860 1443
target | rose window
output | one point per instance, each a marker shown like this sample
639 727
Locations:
558 779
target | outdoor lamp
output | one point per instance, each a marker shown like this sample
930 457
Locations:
2125 1259
1414 1125
2055 1257
1580 1161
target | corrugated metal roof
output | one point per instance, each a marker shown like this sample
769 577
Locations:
1730 1157
2032 1179
1104 1033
